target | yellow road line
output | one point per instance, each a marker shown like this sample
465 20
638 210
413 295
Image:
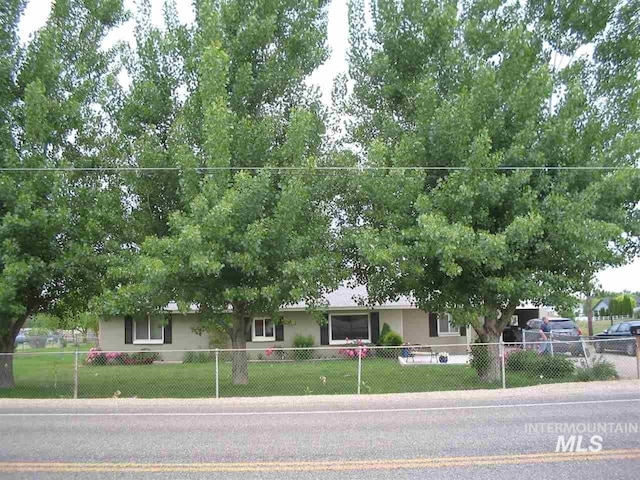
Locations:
391 464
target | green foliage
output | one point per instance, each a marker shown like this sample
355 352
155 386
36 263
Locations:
302 341
391 339
622 305
385 329
534 364
553 366
466 91
601 370
247 238
522 361
56 229
144 358
479 359
197 357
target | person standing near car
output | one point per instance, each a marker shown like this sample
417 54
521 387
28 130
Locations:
545 334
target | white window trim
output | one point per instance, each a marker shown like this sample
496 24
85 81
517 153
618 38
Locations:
147 341
264 329
342 314
455 333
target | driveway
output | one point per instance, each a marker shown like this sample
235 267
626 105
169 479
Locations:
627 366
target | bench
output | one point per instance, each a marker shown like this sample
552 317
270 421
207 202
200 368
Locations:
411 351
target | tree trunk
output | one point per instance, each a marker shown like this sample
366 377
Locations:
490 334
239 360
6 362
493 372
590 315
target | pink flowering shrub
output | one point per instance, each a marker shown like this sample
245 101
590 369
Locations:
354 349
97 357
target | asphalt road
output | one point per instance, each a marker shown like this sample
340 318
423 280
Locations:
448 435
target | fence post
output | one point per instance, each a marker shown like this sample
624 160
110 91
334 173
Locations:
359 366
551 342
638 354
502 367
75 376
217 374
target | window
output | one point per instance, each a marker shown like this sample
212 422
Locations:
263 330
562 325
351 326
444 325
613 328
149 330
624 328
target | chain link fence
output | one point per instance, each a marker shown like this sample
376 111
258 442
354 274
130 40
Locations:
347 369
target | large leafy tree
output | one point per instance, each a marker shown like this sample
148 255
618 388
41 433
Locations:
54 226
243 226
523 117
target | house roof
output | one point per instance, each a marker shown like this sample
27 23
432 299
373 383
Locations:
346 297
605 302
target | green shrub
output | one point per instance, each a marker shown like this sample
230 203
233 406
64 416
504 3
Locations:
391 339
197 357
554 366
522 361
601 370
144 358
385 330
302 341
479 359
531 362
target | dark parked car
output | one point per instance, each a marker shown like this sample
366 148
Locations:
512 334
565 334
618 337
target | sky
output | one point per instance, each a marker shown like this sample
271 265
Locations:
35 15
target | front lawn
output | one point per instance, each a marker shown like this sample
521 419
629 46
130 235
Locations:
51 376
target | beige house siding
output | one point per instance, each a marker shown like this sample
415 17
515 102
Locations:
393 318
411 324
416 330
296 323
111 337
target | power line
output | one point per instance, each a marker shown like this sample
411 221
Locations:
314 169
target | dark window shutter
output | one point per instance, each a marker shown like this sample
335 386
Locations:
248 328
433 324
168 330
463 331
375 327
128 329
324 331
280 332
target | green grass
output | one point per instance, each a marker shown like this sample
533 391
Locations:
51 376
83 347
598 326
